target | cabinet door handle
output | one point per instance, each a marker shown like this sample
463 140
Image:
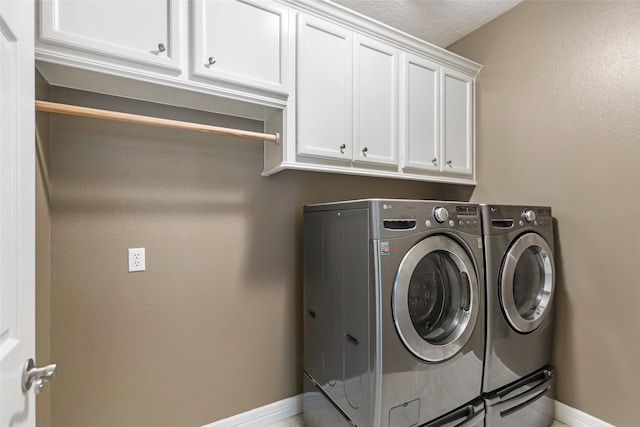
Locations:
449 163
161 47
364 151
434 161
212 60
342 147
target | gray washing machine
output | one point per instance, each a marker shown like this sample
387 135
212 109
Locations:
393 314
520 278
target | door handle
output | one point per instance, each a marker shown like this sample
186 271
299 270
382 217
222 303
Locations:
32 374
466 302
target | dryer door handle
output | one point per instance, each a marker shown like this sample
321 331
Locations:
466 297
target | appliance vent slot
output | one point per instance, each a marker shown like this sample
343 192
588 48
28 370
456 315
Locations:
502 223
399 224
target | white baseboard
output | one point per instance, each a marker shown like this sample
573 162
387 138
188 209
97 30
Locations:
264 415
576 418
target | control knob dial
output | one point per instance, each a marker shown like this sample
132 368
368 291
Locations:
440 214
529 215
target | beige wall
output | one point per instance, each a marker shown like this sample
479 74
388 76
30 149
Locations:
212 327
558 123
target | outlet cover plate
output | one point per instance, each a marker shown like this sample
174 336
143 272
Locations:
136 259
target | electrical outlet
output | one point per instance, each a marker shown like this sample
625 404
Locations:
136 259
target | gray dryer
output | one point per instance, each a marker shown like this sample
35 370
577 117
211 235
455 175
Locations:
520 279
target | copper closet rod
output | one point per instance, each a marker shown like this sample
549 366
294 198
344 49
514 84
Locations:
73 110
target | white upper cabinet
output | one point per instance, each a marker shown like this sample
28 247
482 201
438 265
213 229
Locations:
437 117
379 105
138 32
346 96
345 93
235 50
457 122
241 41
420 110
375 102
324 92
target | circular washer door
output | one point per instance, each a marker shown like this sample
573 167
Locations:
435 298
527 282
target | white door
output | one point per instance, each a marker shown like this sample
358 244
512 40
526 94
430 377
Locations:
139 32
241 41
420 108
457 122
17 209
325 93
375 104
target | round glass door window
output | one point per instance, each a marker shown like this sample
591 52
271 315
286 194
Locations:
527 282
435 298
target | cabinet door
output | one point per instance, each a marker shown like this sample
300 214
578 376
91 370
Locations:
324 96
142 32
420 116
241 41
457 122
375 115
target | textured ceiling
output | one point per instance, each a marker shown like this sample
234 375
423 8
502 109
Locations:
440 22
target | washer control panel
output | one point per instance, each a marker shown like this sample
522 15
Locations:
420 215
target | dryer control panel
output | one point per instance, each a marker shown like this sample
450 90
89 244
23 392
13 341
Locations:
498 219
